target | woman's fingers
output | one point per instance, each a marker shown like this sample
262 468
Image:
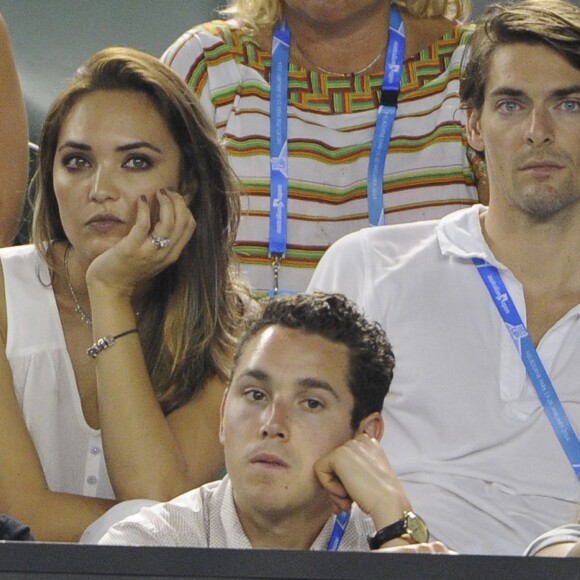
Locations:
165 225
149 247
175 225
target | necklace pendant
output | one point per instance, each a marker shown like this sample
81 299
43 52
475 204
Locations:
83 315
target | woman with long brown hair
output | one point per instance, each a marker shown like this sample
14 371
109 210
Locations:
117 325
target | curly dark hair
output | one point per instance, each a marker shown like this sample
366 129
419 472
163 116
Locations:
336 318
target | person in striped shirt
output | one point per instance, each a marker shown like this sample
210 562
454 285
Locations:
336 67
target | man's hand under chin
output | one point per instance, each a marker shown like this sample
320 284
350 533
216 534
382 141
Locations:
359 471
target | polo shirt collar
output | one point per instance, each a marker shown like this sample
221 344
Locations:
459 235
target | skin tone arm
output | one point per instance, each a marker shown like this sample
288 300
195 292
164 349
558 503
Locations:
13 142
359 471
575 550
560 550
165 456
24 493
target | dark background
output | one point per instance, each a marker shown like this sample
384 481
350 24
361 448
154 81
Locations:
51 38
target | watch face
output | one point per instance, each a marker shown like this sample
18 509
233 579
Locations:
416 528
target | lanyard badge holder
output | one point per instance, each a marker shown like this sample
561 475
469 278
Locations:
385 118
390 89
534 366
338 531
279 149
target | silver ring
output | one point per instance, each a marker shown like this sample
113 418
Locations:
159 241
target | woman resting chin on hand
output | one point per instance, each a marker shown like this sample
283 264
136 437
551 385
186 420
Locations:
117 325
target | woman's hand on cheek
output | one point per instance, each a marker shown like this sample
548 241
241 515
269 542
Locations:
148 248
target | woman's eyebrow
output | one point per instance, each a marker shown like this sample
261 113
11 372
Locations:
138 145
125 147
75 145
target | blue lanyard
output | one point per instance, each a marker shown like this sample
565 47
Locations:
279 129
338 531
536 371
386 118
279 141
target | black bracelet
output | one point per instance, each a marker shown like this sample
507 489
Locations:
105 342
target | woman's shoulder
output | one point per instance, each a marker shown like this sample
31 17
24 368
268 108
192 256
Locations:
218 46
23 273
464 32
433 64
26 273
23 250
227 30
21 261
16 258
432 38
13 260
220 35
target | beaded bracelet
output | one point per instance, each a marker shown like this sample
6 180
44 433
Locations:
106 342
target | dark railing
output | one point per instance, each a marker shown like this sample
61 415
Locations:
19 560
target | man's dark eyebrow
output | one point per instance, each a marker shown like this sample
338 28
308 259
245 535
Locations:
558 93
567 91
308 383
506 92
311 383
255 374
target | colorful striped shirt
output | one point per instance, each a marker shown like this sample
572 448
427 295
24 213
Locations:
331 118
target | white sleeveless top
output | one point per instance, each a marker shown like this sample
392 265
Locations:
70 451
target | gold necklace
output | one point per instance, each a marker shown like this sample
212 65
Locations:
84 315
340 74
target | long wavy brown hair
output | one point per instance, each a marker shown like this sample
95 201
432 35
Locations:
191 313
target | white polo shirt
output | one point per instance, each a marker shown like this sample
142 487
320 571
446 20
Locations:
465 429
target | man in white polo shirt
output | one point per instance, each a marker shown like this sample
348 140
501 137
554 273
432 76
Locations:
300 424
465 429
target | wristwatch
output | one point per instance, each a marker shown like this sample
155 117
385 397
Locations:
410 527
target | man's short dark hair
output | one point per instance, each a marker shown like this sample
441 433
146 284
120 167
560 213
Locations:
336 318
551 23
